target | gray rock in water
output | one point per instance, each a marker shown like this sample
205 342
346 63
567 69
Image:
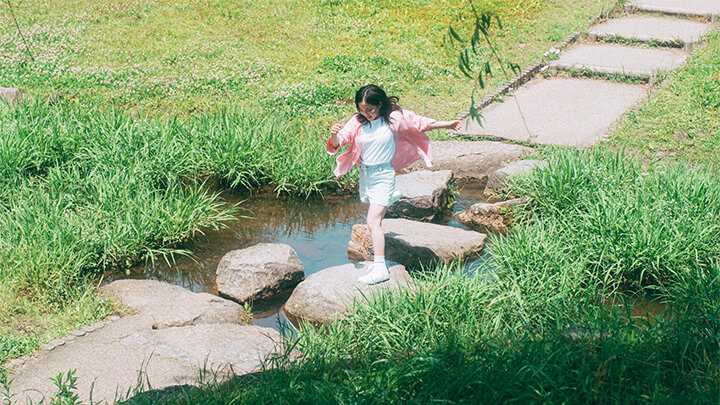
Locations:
259 272
10 95
426 195
487 217
471 160
497 179
414 243
328 293
169 305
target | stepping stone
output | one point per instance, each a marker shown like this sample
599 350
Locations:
704 8
414 243
619 59
669 31
259 272
107 366
166 305
328 293
567 112
497 180
425 195
486 217
471 160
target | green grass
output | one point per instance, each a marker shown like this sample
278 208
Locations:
681 119
300 57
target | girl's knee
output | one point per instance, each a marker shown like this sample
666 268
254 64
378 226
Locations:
374 225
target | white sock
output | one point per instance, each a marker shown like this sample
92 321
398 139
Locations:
379 263
378 273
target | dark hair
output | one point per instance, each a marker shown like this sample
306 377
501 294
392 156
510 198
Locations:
374 95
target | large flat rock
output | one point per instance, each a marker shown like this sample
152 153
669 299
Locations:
619 59
647 28
172 337
109 361
568 112
497 180
425 195
331 292
414 243
704 8
471 160
167 305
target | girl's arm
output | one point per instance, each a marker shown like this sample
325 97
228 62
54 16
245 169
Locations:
454 125
339 136
334 141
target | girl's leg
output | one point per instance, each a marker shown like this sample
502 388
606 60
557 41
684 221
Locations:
379 271
375 215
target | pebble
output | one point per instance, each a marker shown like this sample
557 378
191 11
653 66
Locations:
57 342
47 347
17 363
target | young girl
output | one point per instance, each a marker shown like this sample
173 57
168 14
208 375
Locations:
382 138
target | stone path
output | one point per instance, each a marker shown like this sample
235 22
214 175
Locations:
172 337
654 36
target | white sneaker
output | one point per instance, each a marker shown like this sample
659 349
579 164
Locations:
376 275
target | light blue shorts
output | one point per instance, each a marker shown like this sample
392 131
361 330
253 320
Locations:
377 184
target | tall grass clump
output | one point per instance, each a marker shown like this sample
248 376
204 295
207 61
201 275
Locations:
633 226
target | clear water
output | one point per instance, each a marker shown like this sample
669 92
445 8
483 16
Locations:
317 229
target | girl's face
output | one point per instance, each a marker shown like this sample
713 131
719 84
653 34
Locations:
369 111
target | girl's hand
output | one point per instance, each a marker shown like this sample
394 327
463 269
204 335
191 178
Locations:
335 129
455 125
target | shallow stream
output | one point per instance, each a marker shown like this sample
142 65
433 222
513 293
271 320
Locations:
317 229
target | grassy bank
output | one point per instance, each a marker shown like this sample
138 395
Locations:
83 192
229 93
554 321
680 121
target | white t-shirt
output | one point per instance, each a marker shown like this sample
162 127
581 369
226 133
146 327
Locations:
377 142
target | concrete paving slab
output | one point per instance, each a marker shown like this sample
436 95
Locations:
705 8
620 59
646 29
569 112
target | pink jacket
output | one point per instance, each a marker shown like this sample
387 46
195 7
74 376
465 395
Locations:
411 143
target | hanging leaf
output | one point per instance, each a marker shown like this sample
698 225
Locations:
481 82
465 67
497 18
487 68
474 112
454 35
